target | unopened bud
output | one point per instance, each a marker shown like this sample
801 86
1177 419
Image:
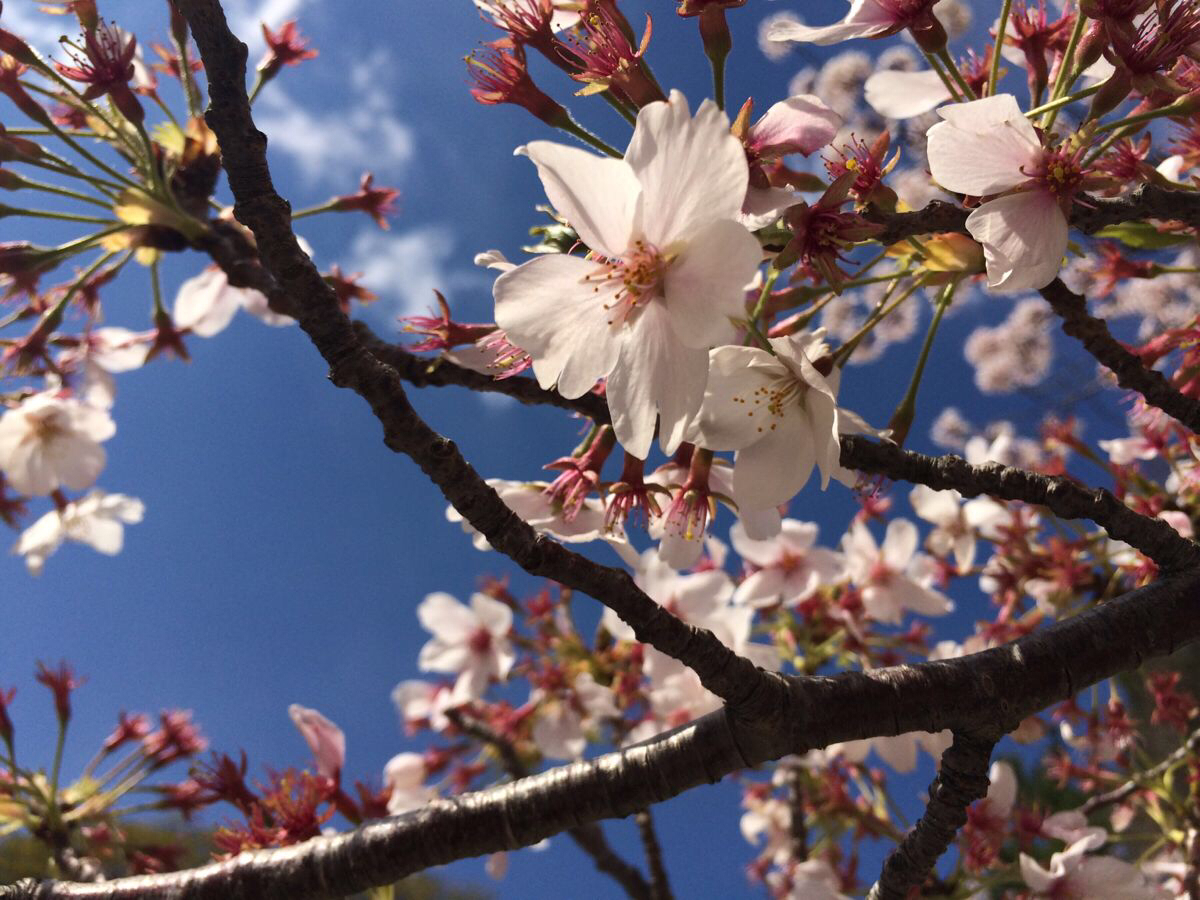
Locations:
1111 93
929 33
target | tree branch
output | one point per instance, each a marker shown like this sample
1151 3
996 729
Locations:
1116 795
962 779
1129 370
983 693
660 884
589 836
1065 498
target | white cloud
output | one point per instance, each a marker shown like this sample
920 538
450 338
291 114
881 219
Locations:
337 146
38 29
407 268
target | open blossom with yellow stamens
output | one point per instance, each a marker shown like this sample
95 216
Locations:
667 270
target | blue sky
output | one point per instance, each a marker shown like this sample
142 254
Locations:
285 549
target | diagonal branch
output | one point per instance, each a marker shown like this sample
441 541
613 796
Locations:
984 693
1130 787
660 884
588 836
1129 370
1065 498
962 779
750 692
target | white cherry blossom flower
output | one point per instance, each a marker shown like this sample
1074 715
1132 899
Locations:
779 413
903 95
987 147
471 642
98 520
51 441
668 269
958 525
893 577
1074 875
207 303
422 703
404 777
790 567
812 879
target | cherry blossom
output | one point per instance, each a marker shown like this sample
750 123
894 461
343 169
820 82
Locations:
812 879
51 441
471 642
98 520
421 703
779 412
404 777
893 576
958 524
903 95
1073 875
560 729
326 740
988 147
864 19
667 270
522 16
790 567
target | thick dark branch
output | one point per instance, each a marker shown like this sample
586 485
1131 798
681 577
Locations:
660 884
1117 794
748 690
1063 497
984 693
936 217
589 836
798 826
962 779
1131 374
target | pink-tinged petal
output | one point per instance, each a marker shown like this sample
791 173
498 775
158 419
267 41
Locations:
326 741
706 284
495 616
443 616
982 146
866 18
899 544
596 194
799 124
678 550
902 95
925 601
1109 878
1024 237
655 374
692 170
103 535
548 311
772 470
118 349
761 553
735 376
760 524
1002 792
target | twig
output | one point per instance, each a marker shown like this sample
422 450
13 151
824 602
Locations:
798 825
1129 370
961 780
660 884
1116 795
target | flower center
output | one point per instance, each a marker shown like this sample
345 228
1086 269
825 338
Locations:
639 275
480 641
1059 171
770 402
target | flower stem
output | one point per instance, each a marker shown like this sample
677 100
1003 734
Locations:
570 126
47 214
63 192
902 418
1001 27
952 68
842 355
946 80
1059 102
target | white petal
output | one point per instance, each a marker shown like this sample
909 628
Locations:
902 95
548 311
771 471
706 284
692 170
1024 237
442 615
596 194
982 145
899 544
495 616
205 304
655 373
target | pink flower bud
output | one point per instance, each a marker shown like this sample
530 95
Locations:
326 740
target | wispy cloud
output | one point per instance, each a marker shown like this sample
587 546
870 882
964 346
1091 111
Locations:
405 269
335 146
40 30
